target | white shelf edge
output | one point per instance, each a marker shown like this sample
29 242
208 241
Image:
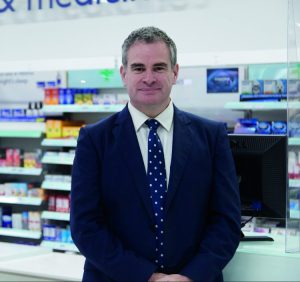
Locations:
24 126
55 215
294 141
83 108
59 142
33 201
20 170
294 183
59 246
53 185
20 233
57 160
257 106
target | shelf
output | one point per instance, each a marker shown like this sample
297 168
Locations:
20 233
63 160
22 129
33 201
295 183
53 185
59 142
257 106
294 141
295 214
56 215
82 108
20 170
59 246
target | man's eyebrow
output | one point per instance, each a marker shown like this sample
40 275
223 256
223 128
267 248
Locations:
161 65
135 65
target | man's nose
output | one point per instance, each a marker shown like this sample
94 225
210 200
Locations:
149 77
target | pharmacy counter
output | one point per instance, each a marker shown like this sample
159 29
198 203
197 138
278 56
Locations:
52 266
12 251
263 261
253 261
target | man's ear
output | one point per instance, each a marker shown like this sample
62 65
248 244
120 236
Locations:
123 74
175 72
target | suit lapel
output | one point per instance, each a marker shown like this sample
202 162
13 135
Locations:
130 150
182 144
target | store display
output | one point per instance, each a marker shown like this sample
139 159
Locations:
263 90
33 113
255 126
222 80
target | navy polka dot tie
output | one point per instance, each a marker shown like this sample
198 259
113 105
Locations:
158 186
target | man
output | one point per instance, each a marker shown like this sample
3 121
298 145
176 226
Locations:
154 194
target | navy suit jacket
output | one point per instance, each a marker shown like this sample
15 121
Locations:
112 222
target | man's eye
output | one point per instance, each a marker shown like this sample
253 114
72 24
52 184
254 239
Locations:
138 69
159 68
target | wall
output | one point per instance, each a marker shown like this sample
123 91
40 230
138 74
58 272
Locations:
255 27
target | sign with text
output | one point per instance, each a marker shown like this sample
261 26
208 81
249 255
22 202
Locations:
22 11
22 87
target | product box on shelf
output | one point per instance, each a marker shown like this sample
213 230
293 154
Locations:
55 128
257 87
270 87
247 87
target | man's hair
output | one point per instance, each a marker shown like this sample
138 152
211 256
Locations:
149 35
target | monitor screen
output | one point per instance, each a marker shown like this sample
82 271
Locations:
222 80
261 168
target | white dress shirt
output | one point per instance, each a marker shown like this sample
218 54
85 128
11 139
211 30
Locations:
165 133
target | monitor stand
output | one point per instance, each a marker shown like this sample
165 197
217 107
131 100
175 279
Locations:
255 238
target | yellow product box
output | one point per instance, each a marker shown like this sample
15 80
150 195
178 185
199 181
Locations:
55 128
70 131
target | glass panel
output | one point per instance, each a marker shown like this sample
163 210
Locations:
293 191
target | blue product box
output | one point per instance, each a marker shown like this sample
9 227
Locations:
18 114
264 127
69 96
61 96
6 113
279 127
245 126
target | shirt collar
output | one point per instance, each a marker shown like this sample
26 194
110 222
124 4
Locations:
165 118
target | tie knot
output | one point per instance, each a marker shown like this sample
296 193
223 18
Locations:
152 124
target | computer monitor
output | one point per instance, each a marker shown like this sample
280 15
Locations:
261 167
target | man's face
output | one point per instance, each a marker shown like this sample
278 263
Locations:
149 76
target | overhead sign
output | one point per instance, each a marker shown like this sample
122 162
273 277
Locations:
22 11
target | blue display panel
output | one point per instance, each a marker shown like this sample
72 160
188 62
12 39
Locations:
223 80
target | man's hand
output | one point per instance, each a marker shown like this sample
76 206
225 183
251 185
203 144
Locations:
156 276
174 278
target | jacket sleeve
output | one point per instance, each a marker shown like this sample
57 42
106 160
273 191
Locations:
222 235
90 232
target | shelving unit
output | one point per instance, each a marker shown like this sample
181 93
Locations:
24 135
